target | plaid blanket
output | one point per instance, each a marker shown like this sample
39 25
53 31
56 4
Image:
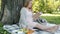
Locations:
11 28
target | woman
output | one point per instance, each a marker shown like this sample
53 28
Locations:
27 17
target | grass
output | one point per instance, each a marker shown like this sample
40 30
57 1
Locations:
2 31
52 19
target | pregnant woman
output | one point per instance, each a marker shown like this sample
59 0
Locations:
27 17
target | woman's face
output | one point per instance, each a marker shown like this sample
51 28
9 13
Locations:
30 5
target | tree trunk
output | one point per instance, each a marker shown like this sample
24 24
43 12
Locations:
12 11
3 2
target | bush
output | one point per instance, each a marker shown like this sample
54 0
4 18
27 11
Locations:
2 31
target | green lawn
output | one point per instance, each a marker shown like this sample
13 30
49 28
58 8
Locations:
51 19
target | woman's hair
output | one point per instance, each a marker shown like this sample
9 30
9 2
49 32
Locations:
26 3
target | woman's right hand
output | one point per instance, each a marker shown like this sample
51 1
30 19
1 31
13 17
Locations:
36 16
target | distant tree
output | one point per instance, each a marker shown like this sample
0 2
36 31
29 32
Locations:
46 6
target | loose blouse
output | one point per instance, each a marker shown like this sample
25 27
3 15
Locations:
26 19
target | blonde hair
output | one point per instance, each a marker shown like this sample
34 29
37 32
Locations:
27 3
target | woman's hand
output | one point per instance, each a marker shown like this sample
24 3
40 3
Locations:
35 16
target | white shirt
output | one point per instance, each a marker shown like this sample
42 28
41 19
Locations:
26 19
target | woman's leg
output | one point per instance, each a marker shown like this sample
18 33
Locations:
41 32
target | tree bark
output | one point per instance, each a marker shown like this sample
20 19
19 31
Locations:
11 11
3 2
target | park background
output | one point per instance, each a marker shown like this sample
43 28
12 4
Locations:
10 11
